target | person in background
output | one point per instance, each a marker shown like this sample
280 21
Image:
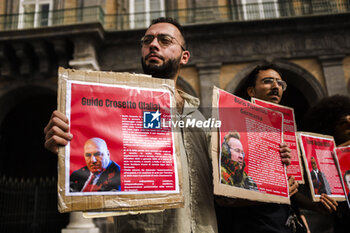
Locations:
331 116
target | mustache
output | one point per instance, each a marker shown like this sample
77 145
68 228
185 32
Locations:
154 54
274 92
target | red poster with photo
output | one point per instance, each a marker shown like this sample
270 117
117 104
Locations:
249 147
289 137
343 154
321 165
124 123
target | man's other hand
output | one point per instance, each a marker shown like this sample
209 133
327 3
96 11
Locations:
328 203
293 186
57 132
285 153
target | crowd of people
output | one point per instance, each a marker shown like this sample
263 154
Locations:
163 52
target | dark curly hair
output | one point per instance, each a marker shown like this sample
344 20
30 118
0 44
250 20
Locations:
324 116
173 22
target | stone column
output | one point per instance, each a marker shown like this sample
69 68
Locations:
209 74
84 57
334 74
79 224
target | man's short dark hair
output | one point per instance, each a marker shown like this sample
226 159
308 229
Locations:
323 117
173 22
251 79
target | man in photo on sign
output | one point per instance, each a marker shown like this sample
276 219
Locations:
232 163
319 180
100 172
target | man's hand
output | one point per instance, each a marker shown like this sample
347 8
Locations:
293 186
57 132
285 153
347 143
328 203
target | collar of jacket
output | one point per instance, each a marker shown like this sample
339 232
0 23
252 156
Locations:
191 103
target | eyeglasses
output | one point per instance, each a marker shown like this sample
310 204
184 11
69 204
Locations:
163 39
237 150
270 81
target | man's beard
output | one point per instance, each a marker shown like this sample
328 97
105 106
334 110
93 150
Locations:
166 71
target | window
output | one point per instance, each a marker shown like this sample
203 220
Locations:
34 13
143 11
260 9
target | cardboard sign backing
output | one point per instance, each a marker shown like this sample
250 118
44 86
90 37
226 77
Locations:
122 114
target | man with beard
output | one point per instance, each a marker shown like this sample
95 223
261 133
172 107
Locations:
232 163
265 83
163 53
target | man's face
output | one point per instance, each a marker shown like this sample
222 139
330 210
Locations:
271 92
313 163
163 60
342 130
96 156
236 150
347 180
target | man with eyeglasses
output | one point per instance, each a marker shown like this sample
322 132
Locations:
163 53
264 83
100 173
232 163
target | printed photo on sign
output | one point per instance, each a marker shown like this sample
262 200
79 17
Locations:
119 144
321 165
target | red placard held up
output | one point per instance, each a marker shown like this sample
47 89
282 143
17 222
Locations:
321 165
289 137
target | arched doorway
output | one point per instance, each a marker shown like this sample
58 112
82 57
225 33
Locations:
28 172
302 92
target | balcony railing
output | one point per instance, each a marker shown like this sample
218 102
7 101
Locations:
125 21
52 18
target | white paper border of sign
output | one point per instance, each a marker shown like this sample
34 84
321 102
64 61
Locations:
67 148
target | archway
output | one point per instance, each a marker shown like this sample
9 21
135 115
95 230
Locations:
28 172
25 112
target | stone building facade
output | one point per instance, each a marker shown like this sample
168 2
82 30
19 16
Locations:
308 39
